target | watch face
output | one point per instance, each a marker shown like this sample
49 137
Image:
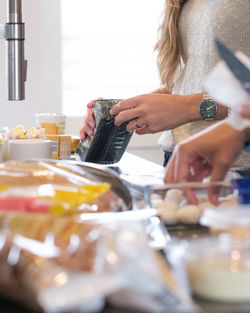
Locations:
208 109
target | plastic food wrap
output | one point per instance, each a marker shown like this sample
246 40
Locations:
52 261
49 187
57 264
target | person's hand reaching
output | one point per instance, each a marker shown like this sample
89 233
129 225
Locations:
210 153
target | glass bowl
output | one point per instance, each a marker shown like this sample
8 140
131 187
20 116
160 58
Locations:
215 268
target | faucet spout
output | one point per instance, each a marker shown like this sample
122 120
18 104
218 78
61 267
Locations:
16 65
14 11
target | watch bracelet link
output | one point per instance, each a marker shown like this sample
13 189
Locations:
206 96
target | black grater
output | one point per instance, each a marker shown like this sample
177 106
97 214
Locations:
110 141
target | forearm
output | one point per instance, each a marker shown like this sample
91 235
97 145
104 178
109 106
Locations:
158 112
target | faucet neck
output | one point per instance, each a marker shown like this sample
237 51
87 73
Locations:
14 11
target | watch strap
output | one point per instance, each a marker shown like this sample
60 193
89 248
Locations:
206 96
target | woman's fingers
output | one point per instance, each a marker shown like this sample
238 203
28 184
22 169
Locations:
190 196
89 123
89 130
90 104
143 130
218 173
127 115
82 134
124 105
135 124
88 126
86 131
90 119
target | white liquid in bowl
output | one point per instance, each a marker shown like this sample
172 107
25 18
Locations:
220 280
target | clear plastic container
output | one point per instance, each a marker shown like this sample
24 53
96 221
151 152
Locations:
53 123
232 220
173 207
215 268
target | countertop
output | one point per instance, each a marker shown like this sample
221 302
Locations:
138 170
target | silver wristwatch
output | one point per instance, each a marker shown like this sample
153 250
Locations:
207 108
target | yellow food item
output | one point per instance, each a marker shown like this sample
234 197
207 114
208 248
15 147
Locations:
69 201
50 128
3 187
74 143
61 146
38 226
32 132
22 137
19 130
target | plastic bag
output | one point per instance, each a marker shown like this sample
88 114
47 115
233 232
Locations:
60 264
63 262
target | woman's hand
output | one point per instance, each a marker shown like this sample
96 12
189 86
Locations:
151 113
211 152
89 122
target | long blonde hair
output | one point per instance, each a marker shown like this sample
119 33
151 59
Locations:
168 46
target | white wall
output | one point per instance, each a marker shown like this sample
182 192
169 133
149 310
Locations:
43 52
43 87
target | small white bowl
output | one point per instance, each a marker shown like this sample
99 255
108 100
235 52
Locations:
21 149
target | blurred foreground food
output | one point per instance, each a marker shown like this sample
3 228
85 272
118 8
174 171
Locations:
63 247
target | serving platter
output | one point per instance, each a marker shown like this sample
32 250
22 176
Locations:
98 173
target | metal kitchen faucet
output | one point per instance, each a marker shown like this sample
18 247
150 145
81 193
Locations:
14 34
